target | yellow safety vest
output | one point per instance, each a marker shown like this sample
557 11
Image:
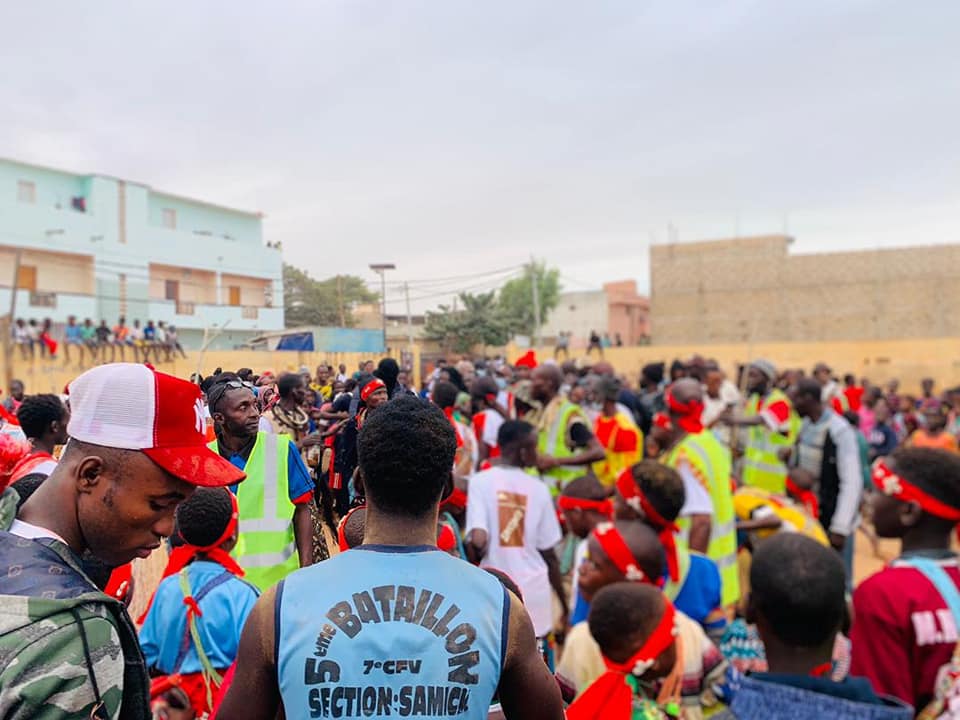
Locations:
710 463
747 499
266 548
609 469
762 466
553 441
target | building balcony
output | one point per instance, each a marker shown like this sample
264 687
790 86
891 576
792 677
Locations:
212 253
49 228
196 316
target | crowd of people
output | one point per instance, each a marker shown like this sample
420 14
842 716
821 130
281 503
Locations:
507 540
153 342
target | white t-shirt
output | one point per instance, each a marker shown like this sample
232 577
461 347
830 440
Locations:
698 500
491 426
517 513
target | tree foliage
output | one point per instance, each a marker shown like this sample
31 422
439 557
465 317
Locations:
515 300
327 302
480 321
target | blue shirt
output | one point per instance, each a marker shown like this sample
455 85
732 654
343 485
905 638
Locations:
73 333
225 609
299 482
700 596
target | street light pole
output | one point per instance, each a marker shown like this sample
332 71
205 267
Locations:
381 270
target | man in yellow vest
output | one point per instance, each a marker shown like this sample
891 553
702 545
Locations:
275 529
565 443
773 429
704 464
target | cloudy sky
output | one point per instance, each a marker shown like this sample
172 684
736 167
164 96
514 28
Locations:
457 137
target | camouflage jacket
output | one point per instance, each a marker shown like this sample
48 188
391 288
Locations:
67 651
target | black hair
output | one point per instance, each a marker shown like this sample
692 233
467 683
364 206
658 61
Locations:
405 452
483 386
644 545
852 418
553 373
204 516
36 412
849 379
621 611
797 587
245 373
455 377
216 388
27 486
287 382
663 487
353 528
653 373
507 581
809 387
388 370
585 487
445 394
936 472
513 432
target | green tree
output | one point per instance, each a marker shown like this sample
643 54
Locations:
479 322
322 302
515 300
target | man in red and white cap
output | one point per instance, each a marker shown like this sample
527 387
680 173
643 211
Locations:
136 450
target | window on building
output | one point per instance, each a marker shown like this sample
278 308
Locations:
234 294
171 290
26 191
27 278
168 218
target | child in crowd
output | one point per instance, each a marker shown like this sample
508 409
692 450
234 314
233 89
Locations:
934 433
637 631
653 493
191 632
797 602
906 616
629 550
351 527
584 504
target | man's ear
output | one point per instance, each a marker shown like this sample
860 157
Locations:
89 472
358 487
910 514
447 487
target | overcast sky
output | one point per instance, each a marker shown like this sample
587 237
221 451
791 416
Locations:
459 137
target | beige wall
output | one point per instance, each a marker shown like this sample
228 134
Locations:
752 289
196 286
878 360
252 290
56 272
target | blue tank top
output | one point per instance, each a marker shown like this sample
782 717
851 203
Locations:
379 631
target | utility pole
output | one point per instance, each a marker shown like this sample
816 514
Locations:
381 269
8 325
343 318
406 292
534 282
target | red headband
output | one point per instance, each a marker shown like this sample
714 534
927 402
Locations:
616 549
604 507
636 499
662 421
446 539
688 414
371 387
342 529
892 485
610 696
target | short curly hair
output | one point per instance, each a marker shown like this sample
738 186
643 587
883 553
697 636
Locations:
663 487
204 516
36 412
405 452
619 612
936 472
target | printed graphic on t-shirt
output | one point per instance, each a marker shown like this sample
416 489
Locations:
512 511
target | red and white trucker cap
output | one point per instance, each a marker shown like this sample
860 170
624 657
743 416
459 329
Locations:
132 407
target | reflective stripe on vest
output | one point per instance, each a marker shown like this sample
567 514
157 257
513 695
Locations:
762 466
553 442
266 548
710 460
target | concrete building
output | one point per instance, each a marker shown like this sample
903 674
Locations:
754 289
615 309
99 247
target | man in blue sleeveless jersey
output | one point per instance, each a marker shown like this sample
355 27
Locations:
393 627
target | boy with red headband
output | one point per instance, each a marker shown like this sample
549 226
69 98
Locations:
630 551
654 494
191 631
906 616
637 631
584 504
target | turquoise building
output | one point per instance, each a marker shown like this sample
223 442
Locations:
99 247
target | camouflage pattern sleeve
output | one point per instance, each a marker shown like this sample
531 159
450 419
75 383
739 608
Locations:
49 673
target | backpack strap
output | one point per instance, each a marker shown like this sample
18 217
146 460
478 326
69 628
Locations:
941 581
191 616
